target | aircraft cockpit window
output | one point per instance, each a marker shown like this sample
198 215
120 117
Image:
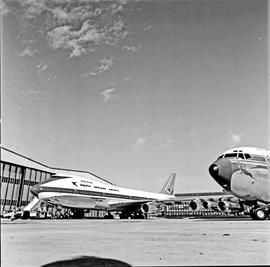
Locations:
230 155
247 156
220 157
241 155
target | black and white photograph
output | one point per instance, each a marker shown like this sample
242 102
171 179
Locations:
135 133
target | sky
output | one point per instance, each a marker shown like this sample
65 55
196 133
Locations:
135 90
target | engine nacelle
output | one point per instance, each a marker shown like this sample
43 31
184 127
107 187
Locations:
195 205
229 206
213 205
145 208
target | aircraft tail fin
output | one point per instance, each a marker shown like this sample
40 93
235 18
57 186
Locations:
168 187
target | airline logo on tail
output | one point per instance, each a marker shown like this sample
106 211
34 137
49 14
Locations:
168 187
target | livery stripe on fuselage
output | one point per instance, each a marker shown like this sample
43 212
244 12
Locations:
90 193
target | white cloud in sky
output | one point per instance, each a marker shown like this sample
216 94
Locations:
79 27
32 94
108 94
235 139
105 65
192 133
161 139
3 8
27 52
140 142
148 28
131 49
41 67
52 78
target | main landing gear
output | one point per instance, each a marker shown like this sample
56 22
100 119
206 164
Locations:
127 215
108 216
259 213
135 214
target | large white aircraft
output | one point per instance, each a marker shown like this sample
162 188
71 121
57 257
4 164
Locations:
245 172
80 194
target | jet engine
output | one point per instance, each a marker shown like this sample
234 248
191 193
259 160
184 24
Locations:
210 204
195 205
229 206
145 208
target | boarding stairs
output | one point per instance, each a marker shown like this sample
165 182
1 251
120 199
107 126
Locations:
33 205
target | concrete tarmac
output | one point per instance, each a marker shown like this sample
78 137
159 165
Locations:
155 242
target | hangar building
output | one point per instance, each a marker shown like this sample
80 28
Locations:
19 174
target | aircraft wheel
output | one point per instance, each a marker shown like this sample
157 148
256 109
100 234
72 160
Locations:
26 215
124 215
78 214
110 216
260 214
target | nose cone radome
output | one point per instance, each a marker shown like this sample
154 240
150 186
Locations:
35 190
213 170
221 171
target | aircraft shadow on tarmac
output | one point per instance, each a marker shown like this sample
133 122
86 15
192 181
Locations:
84 261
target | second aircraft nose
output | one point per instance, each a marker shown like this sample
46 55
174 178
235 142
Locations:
221 171
213 170
35 190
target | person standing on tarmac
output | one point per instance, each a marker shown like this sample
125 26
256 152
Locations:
13 214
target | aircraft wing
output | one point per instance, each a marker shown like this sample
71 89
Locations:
203 195
123 205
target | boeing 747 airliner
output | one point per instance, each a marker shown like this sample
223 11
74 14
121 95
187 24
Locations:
80 194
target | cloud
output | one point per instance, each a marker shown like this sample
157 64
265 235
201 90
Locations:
132 49
105 65
27 52
52 78
127 78
33 94
79 27
108 94
41 67
164 137
148 28
192 133
161 140
235 139
140 142
3 8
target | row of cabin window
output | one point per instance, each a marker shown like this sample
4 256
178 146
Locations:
65 190
105 188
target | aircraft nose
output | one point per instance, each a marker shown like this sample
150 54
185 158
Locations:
221 171
213 170
35 190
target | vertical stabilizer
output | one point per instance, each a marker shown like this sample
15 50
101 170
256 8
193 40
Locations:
168 187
